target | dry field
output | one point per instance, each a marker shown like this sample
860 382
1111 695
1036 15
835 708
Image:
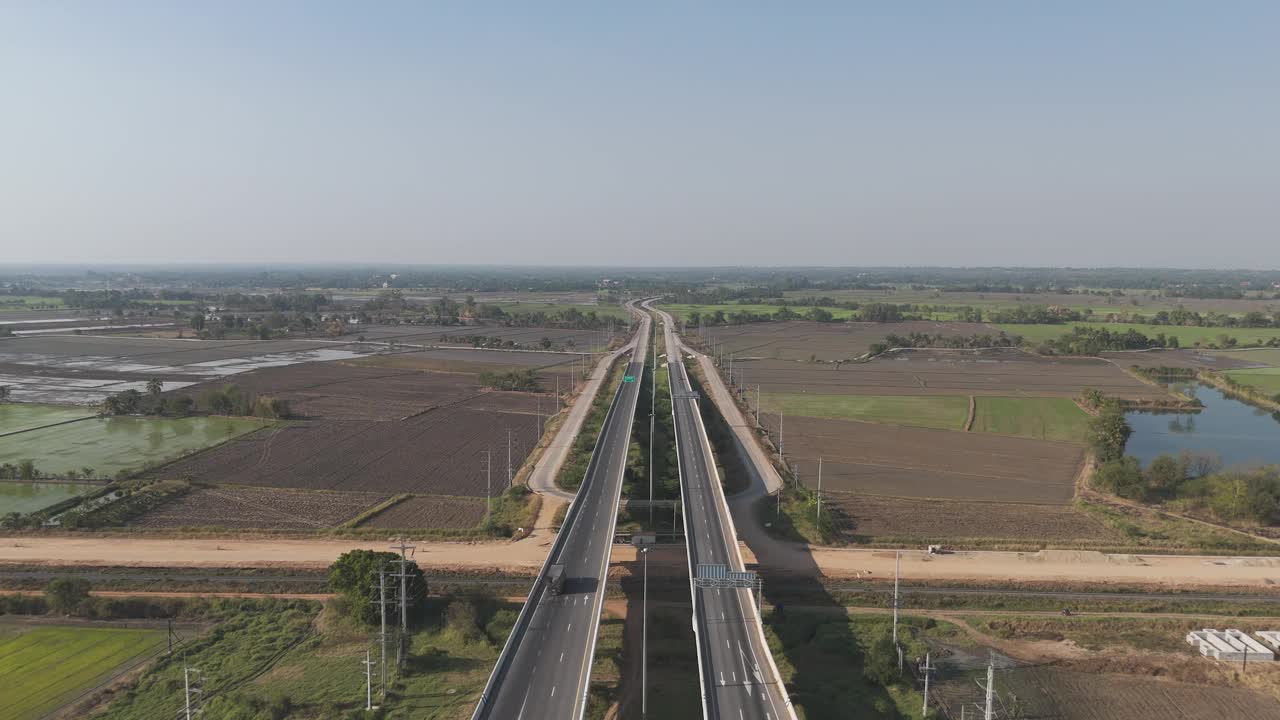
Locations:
1009 373
252 508
1048 693
800 340
528 337
878 517
439 452
344 391
918 462
429 512
1183 359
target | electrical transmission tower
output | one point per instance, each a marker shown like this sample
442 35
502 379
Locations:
404 598
382 602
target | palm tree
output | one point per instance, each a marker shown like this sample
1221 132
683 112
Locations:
155 386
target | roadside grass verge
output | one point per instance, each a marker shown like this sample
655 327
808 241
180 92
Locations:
834 651
1042 418
578 458
796 518
944 412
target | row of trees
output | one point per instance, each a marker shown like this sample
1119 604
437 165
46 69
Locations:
926 340
1196 483
513 380
231 400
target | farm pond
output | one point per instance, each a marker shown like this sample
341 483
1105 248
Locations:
1239 433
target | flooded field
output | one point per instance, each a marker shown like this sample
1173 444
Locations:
23 497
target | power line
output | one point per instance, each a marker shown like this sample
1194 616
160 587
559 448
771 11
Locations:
191 689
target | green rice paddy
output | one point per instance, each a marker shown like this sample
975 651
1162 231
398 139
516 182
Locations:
45 667
109 445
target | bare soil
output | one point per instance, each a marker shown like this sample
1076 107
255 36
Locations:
802 340
244 508
923 463
878 517
429 512
951 372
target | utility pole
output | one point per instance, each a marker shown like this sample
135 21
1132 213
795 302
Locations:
897 571
538 436
404 596
509 474
818 520
926 670
368 681
382 612
781 440
488 487
192 710
557 393
991 685
757 406
651 469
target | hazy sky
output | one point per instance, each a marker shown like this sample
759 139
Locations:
843 133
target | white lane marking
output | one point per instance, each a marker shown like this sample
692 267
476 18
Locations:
722 677
553 691
561 657
569 628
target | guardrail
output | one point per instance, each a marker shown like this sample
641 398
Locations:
521 627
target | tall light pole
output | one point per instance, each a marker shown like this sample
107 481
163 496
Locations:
897 572
509 458
644 639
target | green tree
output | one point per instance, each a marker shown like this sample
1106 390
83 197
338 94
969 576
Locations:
1121 476
354 576
66 594
1108 432
155 386
880 665
26 469
1164 474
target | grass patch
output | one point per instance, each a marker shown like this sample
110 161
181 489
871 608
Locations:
1098 633
930 411
822 655
796 518
1152 530
1266 380
46 667
1041 418
1268 356
281 659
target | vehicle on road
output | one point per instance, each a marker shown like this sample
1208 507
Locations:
555 579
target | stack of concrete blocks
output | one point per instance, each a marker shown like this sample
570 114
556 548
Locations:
1230 645
1270 637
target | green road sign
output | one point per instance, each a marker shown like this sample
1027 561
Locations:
628 378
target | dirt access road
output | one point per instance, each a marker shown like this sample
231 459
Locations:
1073 567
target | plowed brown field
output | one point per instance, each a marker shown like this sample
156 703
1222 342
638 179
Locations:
429 512
435 453
950 372
258 508
918 462
878 517
801 340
